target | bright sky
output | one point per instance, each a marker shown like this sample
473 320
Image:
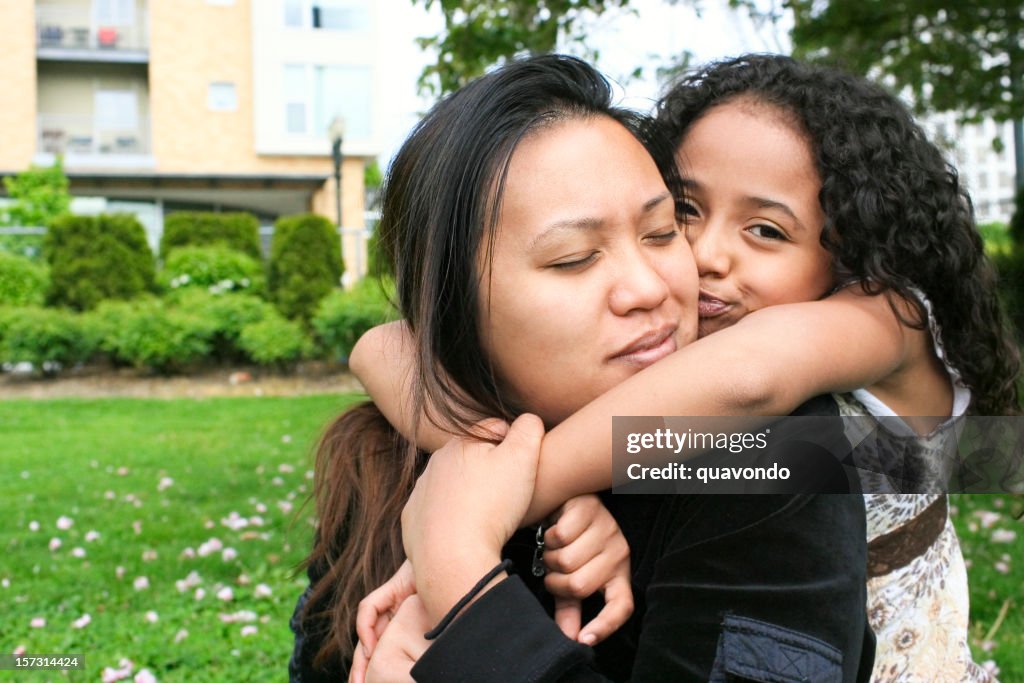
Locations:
623 40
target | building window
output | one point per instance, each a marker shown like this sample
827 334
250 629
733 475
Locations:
296 97
221 96
114 12
331 15
315 94
294 11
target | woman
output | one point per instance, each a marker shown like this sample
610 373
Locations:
536 249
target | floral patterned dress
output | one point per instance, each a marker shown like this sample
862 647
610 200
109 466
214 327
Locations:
917 581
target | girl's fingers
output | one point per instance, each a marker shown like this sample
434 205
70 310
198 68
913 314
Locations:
618 606
568 615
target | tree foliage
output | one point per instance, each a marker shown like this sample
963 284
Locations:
39 194
480 33
953 56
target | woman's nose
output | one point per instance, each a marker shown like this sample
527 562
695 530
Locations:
639 286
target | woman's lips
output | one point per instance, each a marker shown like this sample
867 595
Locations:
650 349
710 307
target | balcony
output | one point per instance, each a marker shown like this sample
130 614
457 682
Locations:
86 141
75 34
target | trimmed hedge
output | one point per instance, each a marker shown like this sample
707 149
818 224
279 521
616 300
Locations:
239 231
343 316
23 282
305 264
275 341
97 257
148 334
48 338
217 268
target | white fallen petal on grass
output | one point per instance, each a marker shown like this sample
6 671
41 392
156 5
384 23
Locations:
226 594
181 635
242 616
263 591
82 621
148 555
140 583
55 543
1004 536
64 523
91 536
33 525
37 622
164 484
229 554
249 630
152 617
78 552
145 676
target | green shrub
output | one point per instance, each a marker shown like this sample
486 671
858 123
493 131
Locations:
97 257
274 341
218 269
238 231
343 316
305 264
23 282
996 237
48 338
148 334
1011 286
378 262
227 314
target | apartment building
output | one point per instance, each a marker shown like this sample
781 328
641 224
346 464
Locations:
158 106
988 173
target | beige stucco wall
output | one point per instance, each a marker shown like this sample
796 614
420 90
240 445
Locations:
190 138
18 94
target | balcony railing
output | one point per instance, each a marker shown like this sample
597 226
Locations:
84 136
76 29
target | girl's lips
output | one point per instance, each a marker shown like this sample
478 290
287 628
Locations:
709 307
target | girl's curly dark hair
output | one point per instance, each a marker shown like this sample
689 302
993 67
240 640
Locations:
897 217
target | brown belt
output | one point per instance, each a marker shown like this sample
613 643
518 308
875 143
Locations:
899 547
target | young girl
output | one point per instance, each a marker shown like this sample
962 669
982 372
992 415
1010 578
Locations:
806 184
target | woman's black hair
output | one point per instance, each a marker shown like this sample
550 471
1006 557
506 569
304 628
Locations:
897 218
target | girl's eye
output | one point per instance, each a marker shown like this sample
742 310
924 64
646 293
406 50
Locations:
574 264
768 232
688 209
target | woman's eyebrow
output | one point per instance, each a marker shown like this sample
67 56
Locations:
553 230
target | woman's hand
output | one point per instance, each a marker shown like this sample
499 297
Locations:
399 647
468 502
585 552
375 612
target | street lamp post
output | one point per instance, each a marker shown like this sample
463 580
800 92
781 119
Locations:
337 135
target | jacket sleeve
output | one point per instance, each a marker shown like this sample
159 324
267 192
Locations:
505 636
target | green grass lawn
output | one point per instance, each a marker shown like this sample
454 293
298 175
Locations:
100 464
164 483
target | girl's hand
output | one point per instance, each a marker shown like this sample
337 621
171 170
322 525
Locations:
468 502
375 612
401 645
585 552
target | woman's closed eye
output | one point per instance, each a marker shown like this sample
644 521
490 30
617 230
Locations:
662 238
575 261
